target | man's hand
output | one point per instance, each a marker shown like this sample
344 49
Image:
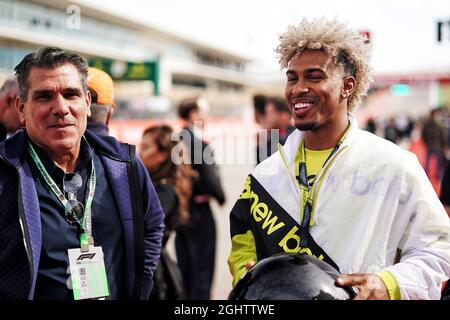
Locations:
370 286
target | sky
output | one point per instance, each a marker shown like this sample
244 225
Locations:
403 32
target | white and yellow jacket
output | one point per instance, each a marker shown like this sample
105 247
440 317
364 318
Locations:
375 211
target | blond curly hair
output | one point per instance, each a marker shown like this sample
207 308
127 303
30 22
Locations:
346 46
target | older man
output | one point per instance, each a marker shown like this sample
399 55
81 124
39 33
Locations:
79 217
348 197
101 87
9 117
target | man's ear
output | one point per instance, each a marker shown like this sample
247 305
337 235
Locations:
348 87
109 115
88 98
20 107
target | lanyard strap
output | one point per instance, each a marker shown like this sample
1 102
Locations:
307 191
86 222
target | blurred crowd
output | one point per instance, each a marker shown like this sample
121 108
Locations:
431 131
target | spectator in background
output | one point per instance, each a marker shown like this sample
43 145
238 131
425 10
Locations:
390 131
196 240
371 126
9 117
259 103
446 125
435 138
404 126
101 87
280 118
278 122
173 183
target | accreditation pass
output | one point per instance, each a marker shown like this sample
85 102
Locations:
87 271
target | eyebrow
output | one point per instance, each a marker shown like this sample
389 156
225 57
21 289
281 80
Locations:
40 92
72 90
315 70
290 71
311 70
48 91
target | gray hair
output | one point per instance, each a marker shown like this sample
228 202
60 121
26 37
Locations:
99 113
48 57
10 84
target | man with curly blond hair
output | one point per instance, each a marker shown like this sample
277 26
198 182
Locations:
333 191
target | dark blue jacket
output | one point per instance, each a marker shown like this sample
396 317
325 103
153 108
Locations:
98 128
20 222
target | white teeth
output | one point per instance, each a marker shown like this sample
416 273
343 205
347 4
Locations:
302 105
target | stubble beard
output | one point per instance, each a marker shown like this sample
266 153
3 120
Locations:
306 126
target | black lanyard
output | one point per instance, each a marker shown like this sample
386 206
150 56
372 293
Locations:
307 191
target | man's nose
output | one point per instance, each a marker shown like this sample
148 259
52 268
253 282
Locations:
300 88
60 106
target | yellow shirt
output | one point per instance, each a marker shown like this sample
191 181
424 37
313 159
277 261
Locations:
314 162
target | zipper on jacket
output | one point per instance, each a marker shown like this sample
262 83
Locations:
138 222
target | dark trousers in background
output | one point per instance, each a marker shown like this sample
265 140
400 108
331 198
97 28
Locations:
195 247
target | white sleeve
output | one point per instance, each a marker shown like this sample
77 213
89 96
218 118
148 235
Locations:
425 244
